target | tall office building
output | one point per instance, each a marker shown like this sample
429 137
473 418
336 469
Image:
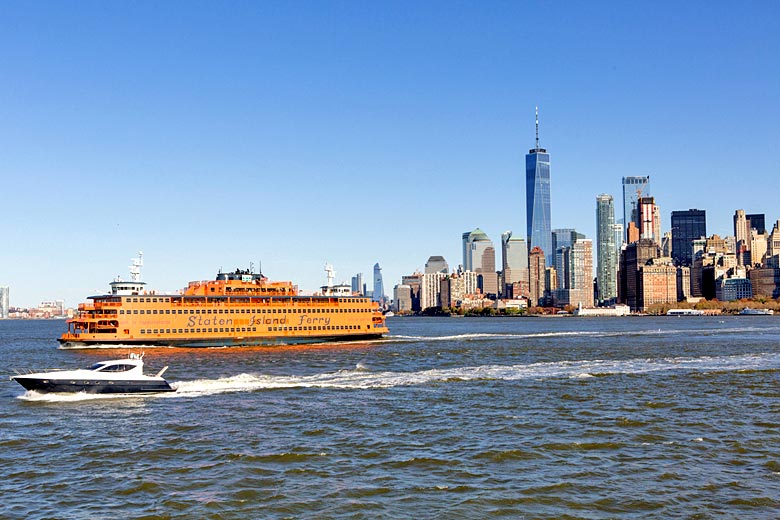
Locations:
537 197
634 188
536 268
577 275
480 257
606 251
430 290
741 226
379 291
402 298
742 237
649 219
757 222
436 264
634 257
474 245
514 256
687 226
4 302
620 237
561 239
414 282
357 283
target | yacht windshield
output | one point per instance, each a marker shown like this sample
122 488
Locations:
97 366
118 368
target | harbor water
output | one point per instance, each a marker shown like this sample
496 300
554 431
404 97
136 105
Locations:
668 417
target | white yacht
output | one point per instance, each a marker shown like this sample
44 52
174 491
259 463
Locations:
118 376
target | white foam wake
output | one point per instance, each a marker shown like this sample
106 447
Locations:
360 378
581 333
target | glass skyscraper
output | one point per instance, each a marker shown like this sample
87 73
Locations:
687 226
605 247
562 239
379 289
757 222
537 198
633 189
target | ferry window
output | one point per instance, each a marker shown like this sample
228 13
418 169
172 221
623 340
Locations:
155 331
135 312
154 311
121 311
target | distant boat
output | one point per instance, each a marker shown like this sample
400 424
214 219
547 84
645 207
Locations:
389 314
684 312
756 312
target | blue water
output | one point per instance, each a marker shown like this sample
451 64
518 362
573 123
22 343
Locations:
447 418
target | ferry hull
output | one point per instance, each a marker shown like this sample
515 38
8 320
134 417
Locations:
93 387
217 342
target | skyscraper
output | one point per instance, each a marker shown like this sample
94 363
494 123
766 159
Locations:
605 247
536 275
379 291
357 283
634 188
742 237
757 222
561 239
514 256
474 245
687 226
649 220
537 197
4 302
480 257
436 264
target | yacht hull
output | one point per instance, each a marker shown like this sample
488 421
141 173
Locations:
93 387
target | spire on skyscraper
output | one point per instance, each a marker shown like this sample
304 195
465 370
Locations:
537 127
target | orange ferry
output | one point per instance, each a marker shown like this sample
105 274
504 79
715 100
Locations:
237 309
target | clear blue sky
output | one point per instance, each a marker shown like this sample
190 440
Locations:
214 134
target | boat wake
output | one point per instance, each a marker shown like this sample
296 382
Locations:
362 378
577 333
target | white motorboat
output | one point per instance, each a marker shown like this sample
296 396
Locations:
118 376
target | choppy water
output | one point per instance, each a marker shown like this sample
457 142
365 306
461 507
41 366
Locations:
448 418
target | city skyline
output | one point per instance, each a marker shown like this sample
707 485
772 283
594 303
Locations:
295 135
